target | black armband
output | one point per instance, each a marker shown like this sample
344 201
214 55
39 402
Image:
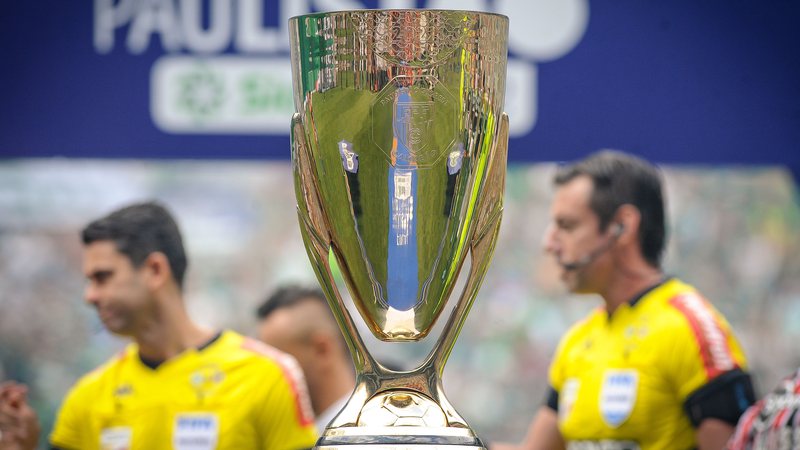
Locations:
552 399
725 398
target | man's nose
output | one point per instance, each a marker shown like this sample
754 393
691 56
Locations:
549 241
91 294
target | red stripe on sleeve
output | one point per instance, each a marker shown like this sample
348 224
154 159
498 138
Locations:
744 429
711 339
293 375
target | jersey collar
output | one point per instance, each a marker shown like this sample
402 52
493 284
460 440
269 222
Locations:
154 363
638 297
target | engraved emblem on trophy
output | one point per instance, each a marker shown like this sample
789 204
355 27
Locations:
399 150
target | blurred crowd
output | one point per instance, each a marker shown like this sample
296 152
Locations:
734 232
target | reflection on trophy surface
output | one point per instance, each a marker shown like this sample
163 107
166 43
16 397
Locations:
399 152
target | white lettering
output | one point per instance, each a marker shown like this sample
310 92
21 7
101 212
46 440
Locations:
218 35
216 26
547 29
396 4
337 5
470 5
154 16
179 24
107 18
717 344
521 96
251 36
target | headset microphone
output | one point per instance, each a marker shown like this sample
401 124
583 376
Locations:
591 256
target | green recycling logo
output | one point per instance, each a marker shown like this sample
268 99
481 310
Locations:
201 93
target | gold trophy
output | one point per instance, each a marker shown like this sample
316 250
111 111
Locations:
399 151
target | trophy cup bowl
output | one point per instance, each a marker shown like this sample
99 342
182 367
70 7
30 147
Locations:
399 148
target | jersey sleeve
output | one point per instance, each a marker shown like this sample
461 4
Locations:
69 429
557 371
555 374
285 418
701 346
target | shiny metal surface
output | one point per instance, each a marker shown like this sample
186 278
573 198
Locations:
399 150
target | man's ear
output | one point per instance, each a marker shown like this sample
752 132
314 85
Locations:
157 270
629 220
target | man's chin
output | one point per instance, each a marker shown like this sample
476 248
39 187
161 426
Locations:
573 285
116 328
569 280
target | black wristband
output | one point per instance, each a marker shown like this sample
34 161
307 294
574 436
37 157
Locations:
552 399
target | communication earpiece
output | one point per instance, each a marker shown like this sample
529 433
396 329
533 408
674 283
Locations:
618 229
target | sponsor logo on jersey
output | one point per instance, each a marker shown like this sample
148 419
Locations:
123 390
618 395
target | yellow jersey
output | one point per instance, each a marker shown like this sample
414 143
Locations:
233 393
622 381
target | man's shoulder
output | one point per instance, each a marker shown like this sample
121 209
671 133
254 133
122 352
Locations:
238 346
683 305
688 320
95 379
583 326
253 354
677 304
268 363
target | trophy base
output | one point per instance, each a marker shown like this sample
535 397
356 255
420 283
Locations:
397 438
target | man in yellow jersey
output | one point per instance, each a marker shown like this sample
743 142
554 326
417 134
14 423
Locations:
178 385
656 367
298 321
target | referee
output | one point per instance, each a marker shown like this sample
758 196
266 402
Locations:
656 366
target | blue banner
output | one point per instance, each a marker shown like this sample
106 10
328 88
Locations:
684 81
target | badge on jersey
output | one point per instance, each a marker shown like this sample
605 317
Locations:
618 395
116 438
195 431
206 380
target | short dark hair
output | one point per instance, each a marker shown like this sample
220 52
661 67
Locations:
139 230
618 179
288 296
